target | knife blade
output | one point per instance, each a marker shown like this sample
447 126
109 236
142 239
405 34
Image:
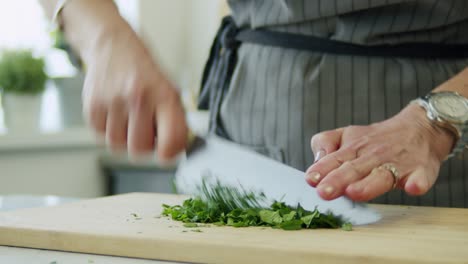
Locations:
216 159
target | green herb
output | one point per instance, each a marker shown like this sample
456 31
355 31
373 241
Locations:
174 186
227 206
229 198
292 224
347 227
190 225
21 72
270 217
136 217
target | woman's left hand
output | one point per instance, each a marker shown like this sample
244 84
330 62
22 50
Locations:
348 157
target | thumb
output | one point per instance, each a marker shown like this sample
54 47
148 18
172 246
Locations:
325 143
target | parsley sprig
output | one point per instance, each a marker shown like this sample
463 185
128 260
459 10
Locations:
228 206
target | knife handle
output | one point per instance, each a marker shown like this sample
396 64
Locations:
194 142
191 137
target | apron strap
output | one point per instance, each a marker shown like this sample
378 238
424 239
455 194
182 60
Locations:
322 45
217 74
223 58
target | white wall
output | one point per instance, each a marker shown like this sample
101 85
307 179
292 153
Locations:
179 33
163 28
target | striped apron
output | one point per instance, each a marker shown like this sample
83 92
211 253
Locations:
278 98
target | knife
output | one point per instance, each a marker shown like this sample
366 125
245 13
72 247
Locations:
216 159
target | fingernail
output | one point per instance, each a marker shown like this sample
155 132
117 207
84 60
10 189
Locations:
319 155
327 189
313 176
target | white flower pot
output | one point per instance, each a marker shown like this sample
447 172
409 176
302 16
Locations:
22 112
69 95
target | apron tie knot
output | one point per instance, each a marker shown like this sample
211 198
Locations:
228 36
217 73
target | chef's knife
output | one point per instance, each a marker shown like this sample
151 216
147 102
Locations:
236 166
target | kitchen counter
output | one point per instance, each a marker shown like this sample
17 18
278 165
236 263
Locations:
62 163
80 137
13 255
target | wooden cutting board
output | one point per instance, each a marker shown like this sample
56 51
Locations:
128 225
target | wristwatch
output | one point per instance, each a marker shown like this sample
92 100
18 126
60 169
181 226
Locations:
448 110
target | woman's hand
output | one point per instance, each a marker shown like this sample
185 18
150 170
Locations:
126 96
128 99
348 157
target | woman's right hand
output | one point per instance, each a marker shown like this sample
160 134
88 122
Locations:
128 99
126 96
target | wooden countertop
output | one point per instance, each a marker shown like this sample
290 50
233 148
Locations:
106 226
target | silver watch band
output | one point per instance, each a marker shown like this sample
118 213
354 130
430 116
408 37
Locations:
462 138
462 143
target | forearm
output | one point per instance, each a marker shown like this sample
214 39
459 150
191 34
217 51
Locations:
443 139
458 83
87 22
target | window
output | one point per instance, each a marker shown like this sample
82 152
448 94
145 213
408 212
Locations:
24 25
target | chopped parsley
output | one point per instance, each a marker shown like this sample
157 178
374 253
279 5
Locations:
228 206
190 225
347 227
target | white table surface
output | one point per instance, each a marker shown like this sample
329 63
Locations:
12 255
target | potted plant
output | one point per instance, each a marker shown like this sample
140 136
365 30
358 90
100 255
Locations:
22 81
69 87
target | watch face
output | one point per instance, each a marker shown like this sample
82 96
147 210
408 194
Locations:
451 106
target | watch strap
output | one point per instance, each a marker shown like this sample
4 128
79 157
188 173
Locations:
462 143
461 140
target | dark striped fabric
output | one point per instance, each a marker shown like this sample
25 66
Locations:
279 98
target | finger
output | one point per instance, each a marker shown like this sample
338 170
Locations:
420 181
320 169
116 125
325 143
322 144
141 127
378 182
336 182
172 129
97 116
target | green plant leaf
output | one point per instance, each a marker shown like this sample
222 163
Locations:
190 225
270 217
347 227
289 216
291 225
21 72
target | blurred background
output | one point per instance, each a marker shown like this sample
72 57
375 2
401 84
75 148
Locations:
46 151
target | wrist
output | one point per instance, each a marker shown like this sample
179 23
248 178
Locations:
87 22
440 140
103 40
